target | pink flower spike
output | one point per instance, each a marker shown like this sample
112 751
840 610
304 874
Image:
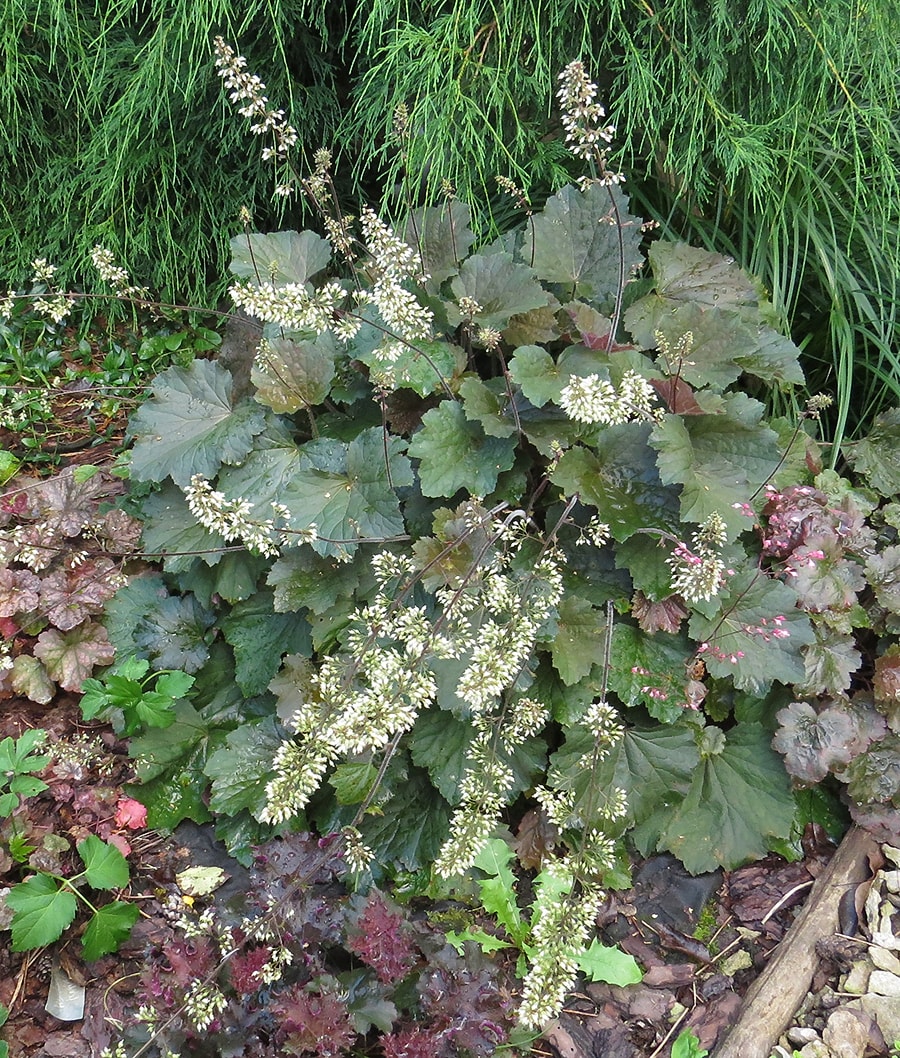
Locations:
131 814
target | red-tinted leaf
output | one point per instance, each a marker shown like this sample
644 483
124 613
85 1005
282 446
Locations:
71 595
663 616
677 395
18 591
380 942
70 657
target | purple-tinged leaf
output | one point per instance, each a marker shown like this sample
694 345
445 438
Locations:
71 595
813 743
18 591
70 657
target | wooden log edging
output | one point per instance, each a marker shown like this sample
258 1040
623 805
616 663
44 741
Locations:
774 997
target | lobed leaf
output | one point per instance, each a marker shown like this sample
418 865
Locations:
70 657
294 373
455 454
240 769
109 926
740 798
279 257
619 478
586 240
104 866
189 425
348 490
738 634
719 460
499 285
612 965
877 455
41 911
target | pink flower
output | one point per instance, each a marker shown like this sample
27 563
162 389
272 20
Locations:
131 814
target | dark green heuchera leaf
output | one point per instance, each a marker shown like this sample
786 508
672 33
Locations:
260 639
240 769
499 285
293 373
877 456
440 742
578 644
619 477
169 763
719 460
262 476
415 823
455 454
586 240
443 237
302 578
279 257
652 765
739 633
649 670
423 366
413 829
176 634
347 491
739 799
189 426
688 274
172 533
233 578
127 608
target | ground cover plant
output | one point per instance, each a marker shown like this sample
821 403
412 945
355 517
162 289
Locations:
495 522
499 520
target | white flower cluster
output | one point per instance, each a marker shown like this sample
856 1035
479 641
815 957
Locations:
559 936
202 1003
374 689
393 262
248 89
699 571
582 118
291 305
102 259
593 399
231 520
357 854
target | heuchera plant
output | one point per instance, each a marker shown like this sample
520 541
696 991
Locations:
62 545
500 519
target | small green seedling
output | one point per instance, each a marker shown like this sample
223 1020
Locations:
688 1046
17 766
126 699
45 905
498 897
